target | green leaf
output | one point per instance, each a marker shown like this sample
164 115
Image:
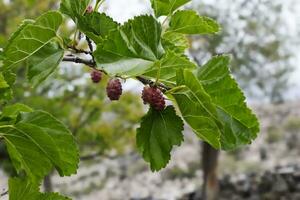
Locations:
24 189
43 63
14 110
74 8
31 38
97 25
169 64
176 42
166 7
40 138
240 124
7 79
132 49
197 108
158 133
189 22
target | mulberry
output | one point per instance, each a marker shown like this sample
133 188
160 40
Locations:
154 97
96 76
114 89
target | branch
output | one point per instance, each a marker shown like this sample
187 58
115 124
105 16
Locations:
89 63
92 64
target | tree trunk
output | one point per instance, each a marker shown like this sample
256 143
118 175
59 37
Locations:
48 183
210 188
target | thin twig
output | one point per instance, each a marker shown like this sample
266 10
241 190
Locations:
89 63
4 193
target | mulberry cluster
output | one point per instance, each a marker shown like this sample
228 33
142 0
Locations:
154 97
114 89
96 76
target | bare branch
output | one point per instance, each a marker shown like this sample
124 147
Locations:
4 193
89 63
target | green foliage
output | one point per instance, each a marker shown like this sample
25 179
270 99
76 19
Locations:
189 22
166 7
43 63
208 98
74 8
30 38
158 133
24 189
97 25
132 49
196 108
240 125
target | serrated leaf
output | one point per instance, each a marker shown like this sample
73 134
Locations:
169 64
43 63
158 133
197 108
166 7
24 189
32 38
176 42
240 124
74 8
132 49
97 25
189 22
39 138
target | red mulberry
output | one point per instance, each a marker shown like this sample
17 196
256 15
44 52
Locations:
114 89
154 97
96 76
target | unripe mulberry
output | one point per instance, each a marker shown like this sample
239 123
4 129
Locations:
96 76
154 97
114 89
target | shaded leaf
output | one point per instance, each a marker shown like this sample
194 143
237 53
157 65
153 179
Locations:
24 189
39 138
43 63
158 133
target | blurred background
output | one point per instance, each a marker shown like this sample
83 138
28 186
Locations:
263 37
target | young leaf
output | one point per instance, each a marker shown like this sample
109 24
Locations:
166 7
39 138
158 133
189 22
97 25
197 108
74 8
12 111
24 189
31 38
169 64
43 63
132 49
241 125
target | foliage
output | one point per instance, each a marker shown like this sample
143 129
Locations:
144 49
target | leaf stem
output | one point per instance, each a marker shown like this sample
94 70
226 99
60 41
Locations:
98 4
